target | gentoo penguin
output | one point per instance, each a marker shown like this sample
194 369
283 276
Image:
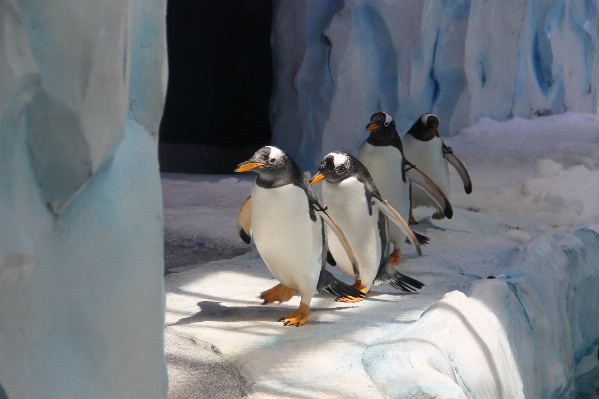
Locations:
393 174
426 149
357 206
286 221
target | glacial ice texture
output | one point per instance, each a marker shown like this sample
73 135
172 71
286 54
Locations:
82 87
337 62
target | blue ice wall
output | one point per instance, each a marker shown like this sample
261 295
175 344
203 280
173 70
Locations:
82 88
337 62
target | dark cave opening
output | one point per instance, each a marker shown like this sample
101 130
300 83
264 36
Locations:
220 82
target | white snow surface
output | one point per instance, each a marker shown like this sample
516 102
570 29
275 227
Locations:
338 62
531 222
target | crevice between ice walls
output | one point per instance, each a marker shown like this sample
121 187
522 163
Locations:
337 62
81 269
520 335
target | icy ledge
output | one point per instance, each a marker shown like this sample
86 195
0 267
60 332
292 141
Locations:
522 335
527 333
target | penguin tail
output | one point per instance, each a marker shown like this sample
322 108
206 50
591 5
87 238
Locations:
422 239
332 285
401 282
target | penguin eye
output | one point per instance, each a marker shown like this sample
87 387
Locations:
387 124
272 161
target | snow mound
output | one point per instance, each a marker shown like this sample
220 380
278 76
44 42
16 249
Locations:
520 335
545 170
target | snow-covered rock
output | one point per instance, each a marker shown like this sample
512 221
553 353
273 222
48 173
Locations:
82 87
338 62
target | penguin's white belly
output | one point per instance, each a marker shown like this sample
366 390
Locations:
348 207
384 165
289 242
428 158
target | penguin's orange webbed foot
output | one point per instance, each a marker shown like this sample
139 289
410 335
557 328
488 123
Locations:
412 219
297 318
438 215
279 293
351 299
395 257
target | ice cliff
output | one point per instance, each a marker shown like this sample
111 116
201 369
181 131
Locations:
82 87
336 62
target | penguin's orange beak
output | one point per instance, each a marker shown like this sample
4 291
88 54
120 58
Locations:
372 126
317 177
435 132
245 166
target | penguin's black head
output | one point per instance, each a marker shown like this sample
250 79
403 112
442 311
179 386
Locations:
272 165
425 128
269 162
335 167
381 121
430 121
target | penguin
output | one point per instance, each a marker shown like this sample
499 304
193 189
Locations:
423 145
287 222
382 154
357 206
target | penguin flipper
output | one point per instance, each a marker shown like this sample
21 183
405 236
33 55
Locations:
332 285
394 216
244 220
333 225
424 182
452 159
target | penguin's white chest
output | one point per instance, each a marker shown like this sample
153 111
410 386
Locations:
428 158
289 242
348 206
384 165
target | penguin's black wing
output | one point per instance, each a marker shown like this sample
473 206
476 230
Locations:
424 182
386 272
244 220
452 159
328 282
370 190
326 217
396 218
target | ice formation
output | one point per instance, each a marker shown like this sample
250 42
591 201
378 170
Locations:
82 88
338 62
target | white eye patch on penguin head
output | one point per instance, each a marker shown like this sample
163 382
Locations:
388 119
339 160
275 154
430 120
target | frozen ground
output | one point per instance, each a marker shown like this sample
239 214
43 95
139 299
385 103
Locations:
531 222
